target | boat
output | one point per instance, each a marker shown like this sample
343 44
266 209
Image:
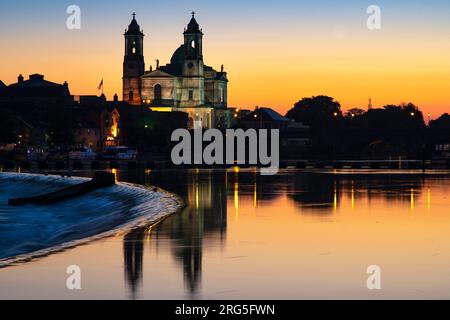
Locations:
82 153
119 153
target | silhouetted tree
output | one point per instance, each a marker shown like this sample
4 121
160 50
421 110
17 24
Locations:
317 111
355 112
439 131
324 116
441 123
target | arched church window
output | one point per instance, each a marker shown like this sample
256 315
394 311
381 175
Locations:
193 44
158 92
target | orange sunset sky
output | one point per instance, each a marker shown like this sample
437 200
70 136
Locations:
274 54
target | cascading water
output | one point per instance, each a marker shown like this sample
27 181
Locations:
29 231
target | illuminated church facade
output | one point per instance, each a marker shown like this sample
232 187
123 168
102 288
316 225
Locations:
185 84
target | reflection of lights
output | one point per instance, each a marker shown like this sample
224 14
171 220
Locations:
412 199
148 230
236 192
353 195
196 196
236 200
335 197
116 174
255 195
429 199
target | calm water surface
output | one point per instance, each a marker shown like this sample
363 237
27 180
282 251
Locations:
297 235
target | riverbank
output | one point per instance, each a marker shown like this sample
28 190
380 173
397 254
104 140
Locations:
396 164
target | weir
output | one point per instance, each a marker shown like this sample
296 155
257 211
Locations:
100 180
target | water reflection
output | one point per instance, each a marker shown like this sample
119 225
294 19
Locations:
133 251
204 218
203 222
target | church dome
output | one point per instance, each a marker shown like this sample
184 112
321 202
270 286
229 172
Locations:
178 56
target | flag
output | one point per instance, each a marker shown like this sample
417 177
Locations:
100 86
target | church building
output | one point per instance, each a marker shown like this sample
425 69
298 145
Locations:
185 84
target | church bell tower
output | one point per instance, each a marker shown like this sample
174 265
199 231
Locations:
193 37
133 63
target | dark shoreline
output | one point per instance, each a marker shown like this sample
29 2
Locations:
441 164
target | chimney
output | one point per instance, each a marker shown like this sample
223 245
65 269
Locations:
20 78
116 97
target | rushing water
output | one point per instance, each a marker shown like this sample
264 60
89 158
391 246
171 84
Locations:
30 230
296 235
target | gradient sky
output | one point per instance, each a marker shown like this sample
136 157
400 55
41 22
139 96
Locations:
275 52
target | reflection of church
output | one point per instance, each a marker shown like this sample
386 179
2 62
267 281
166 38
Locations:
185 84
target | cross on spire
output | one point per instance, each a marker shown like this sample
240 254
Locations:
134 15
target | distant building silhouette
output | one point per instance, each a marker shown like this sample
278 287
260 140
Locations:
185 84
36 90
